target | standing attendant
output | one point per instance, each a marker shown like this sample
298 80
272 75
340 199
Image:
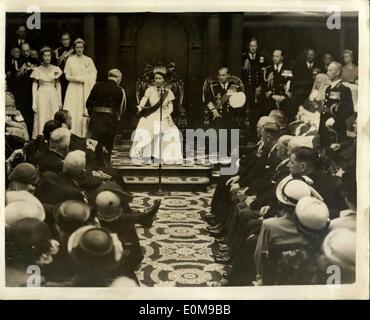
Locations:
302 82
81 73
46 92
23 87
252 77
105 105
61 54
277 84
338 107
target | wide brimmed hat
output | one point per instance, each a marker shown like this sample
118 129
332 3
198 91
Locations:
22 204
25 173
291 189
71 214
95 249
339 248
312 216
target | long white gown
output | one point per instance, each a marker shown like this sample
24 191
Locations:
146 136
47 98
81 73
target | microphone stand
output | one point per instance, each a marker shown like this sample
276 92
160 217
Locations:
159 191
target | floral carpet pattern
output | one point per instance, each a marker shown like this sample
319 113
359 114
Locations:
177 249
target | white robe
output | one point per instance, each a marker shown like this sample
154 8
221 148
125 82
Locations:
81 73
146 135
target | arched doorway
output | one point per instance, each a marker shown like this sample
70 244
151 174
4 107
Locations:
163 38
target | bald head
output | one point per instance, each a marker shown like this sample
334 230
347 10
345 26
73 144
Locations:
115 75
334 71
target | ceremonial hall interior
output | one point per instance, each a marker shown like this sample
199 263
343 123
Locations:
187 223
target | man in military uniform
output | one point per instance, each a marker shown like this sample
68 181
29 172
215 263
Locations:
23 87
223 116
61 54
277 84
338 106
105 105
252 77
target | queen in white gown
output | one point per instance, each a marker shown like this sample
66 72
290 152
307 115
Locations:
146 136
46 92
81 73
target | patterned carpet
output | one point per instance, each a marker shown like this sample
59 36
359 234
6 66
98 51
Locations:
177 248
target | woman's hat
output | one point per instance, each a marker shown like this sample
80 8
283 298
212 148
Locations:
25 173
339 248
22 204
291 189
312 216
94 248
71 214
109 198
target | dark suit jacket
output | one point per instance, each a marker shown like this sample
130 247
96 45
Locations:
252 76
302 81
48 160
55 188
105 94
254 167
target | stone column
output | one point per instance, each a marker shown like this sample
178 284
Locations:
112 29
89 35
235 49
213 54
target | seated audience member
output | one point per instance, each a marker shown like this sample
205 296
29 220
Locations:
308 116
76 142
258 169
34 148
254 196
22 204
306 161
25 176
280 119
245 162
344 153
14 122
57 187
99 257
339 249
288 192
347 218
27 242
307 223
51 158
68 216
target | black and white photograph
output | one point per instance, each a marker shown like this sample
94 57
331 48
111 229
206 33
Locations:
186 148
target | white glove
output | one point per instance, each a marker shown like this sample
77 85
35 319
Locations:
330 122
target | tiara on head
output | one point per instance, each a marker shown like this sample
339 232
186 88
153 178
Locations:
79 40
45 49
160 69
